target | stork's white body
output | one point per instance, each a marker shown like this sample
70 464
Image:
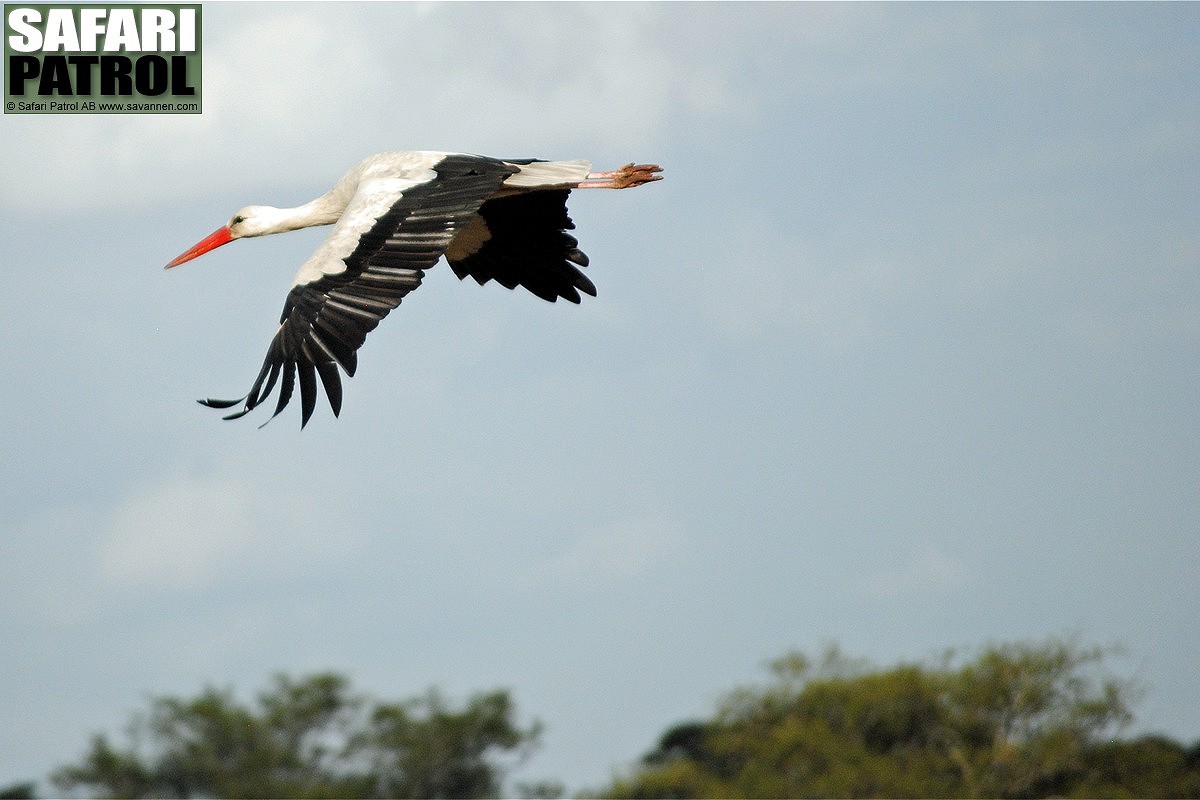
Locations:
394 214
372 187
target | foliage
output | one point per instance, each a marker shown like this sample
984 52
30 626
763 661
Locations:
309 738
1016 721
1012 720
18 791
1150 766
422 749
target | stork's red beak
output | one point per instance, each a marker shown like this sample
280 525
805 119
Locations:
214 240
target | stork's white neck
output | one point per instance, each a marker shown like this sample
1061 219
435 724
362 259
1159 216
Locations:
265 220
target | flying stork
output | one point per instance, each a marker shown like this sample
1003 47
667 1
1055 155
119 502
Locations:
393 216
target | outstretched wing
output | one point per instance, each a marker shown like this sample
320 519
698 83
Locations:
522 240
392 230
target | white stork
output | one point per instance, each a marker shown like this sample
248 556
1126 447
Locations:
393 216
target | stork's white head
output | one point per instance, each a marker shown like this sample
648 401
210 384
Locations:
250 221
258 221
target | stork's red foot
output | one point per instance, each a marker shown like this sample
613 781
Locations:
623 178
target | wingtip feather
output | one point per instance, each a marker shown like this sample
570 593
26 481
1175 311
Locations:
212 403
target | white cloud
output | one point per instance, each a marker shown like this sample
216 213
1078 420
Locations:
195 532
296 93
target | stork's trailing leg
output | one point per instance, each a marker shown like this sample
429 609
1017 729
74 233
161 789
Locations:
623 178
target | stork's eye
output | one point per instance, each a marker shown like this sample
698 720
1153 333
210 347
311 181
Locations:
237 220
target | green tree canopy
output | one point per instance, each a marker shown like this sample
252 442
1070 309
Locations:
1015 721
308 738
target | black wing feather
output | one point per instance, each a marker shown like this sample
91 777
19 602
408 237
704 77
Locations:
308 389
285 390
332 383
529 246
325 322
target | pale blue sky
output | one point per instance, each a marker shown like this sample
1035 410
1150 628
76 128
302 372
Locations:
902 354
